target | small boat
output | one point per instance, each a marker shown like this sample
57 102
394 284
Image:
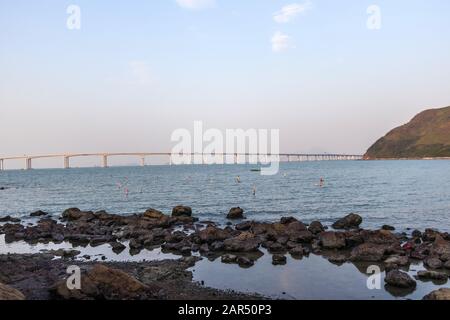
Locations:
256 170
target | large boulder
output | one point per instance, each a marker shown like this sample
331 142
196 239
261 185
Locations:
38 213
368 252
102 282
432 275
441 294
316 227
181 211
332 240
212 234
235 213
8 293
399 279
74 214
245 242
440 246
350 221
153 214
379 237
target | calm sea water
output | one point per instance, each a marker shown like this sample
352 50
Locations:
405 194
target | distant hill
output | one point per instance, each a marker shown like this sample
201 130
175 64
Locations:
425 136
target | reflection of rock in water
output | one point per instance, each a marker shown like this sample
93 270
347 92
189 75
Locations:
399 292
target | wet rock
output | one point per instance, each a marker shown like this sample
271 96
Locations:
245 242
38 213
180 211
9 219
229 258
217 246
117 247
368 252
297 251
153 214
337 258
397 260
399 279
433 263
416 234
98 241
440 246
185 251
388 228
244 226
276 247
432 275
68 254
287 220
351 221
136 244
332 240
430 235
278 259
447 265
245 262
105 283
211 234
441 294
316 227
235 213
380 237
445 257
9 293
74 214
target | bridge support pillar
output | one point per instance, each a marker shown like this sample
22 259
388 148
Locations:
143 161
2 165
28 165
66 163
105 161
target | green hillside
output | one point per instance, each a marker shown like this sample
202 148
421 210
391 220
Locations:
425 136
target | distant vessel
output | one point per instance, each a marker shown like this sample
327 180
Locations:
256 170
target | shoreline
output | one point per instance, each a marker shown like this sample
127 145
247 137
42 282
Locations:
242 244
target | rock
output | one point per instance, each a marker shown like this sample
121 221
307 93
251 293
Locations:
235 213
211 234
380 237
180 211
8 293
244 226
432 275
337 258
9 219
38 213
316 227
447 265
441 294
153 214
388 227
245 242
186 251
399 279
440 246
297 251
348 222
416 234
433 263
74 214
445 257
117 247
430 235
287 220
276 247
332 240
229 258
397 260
368 252
245 262
217 246
104 283
278 259
136 244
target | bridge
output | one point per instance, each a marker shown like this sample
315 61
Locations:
143 156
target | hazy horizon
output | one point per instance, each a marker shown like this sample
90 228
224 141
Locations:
136 72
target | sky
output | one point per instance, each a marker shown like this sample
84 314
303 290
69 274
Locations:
136 71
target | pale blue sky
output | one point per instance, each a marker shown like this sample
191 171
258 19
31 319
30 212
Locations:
137 70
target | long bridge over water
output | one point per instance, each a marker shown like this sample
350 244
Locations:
144 155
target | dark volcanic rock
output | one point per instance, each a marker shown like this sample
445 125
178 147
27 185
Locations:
180 211
229 258
399 279
278 259
9 219
153 214
368 252
102 282
244 226
245 242
441 294
38 213
316 227
433 263
388 227
432 275
351 221
332 240
245 262
235 213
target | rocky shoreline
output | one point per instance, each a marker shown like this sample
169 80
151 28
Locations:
41 276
